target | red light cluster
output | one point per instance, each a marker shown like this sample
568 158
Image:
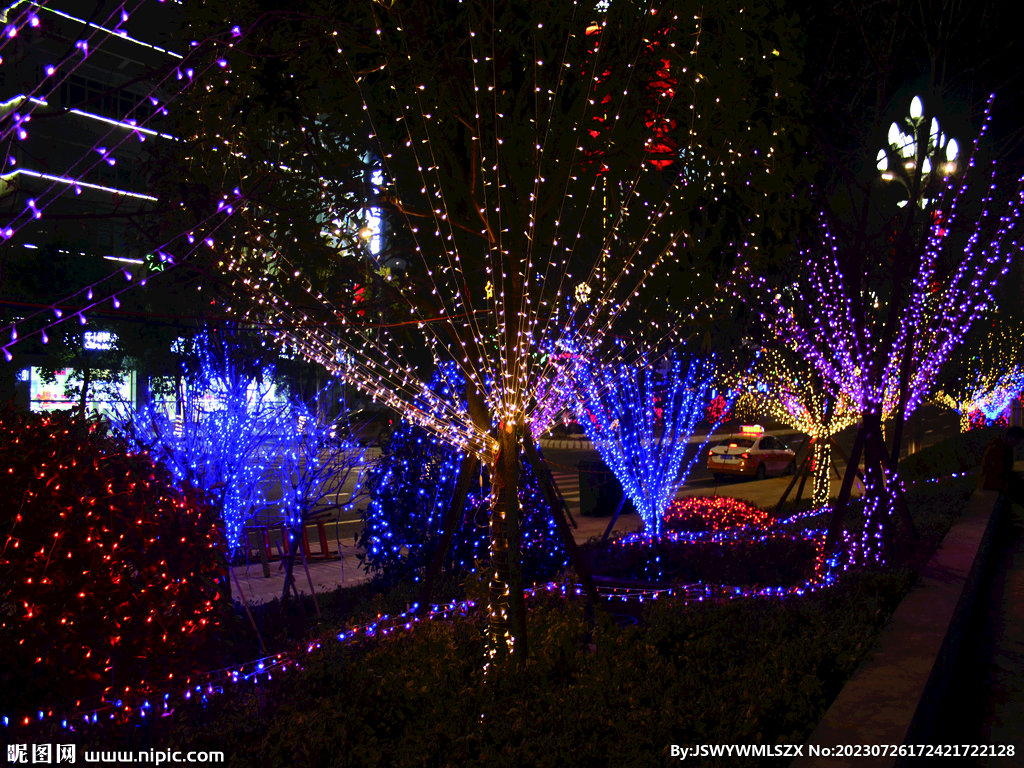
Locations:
106 566
715 514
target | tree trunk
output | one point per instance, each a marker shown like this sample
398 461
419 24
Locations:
86 381
835 526
876 539
289 572
507 619
901 411
894 490
822 448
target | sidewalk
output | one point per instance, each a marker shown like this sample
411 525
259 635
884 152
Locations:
984 703
326 574
329 574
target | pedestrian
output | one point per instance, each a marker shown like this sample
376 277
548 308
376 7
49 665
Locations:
997 466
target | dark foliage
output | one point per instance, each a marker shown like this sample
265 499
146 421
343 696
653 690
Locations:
959 453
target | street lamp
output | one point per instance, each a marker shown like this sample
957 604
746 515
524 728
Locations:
915 140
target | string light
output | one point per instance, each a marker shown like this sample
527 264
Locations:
223 432
107 559
640 420
989 379
780 384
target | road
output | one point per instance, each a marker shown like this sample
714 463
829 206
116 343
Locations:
935 424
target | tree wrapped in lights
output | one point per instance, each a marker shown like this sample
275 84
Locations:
313 464
879 332
988 375
641 418
224 428
469 165
411 488
783 386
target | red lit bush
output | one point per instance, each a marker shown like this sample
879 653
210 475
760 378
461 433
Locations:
700 514
106 568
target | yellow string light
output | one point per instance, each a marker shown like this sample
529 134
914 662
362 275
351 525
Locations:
786 388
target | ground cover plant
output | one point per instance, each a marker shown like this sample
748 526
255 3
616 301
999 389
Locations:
733 671
768 560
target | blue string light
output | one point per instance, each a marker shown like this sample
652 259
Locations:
221 436
411 486
640 418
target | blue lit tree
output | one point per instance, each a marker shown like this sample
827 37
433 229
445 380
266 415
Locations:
313 465
410 488
225 429
640 418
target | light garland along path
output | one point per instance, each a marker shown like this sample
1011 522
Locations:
137 705
134 706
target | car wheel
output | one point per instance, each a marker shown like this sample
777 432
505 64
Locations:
761 472
791 468
718 477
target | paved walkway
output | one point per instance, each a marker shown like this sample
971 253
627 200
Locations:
328 574
984 703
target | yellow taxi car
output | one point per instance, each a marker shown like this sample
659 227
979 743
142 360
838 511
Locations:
751 453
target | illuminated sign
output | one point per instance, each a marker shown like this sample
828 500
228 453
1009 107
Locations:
751 429
62 388
99 340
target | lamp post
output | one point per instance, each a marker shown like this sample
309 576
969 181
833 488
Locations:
913 141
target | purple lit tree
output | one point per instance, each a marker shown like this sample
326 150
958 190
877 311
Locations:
879 330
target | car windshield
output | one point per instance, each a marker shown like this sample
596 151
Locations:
737 442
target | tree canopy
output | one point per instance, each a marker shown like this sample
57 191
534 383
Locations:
487 178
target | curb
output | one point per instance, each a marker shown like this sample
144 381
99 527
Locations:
586 445
892 698
576 445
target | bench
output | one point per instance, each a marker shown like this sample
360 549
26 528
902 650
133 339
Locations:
262 532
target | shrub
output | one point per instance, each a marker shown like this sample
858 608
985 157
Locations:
734 672
105 567
954 454
411 486
703 514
